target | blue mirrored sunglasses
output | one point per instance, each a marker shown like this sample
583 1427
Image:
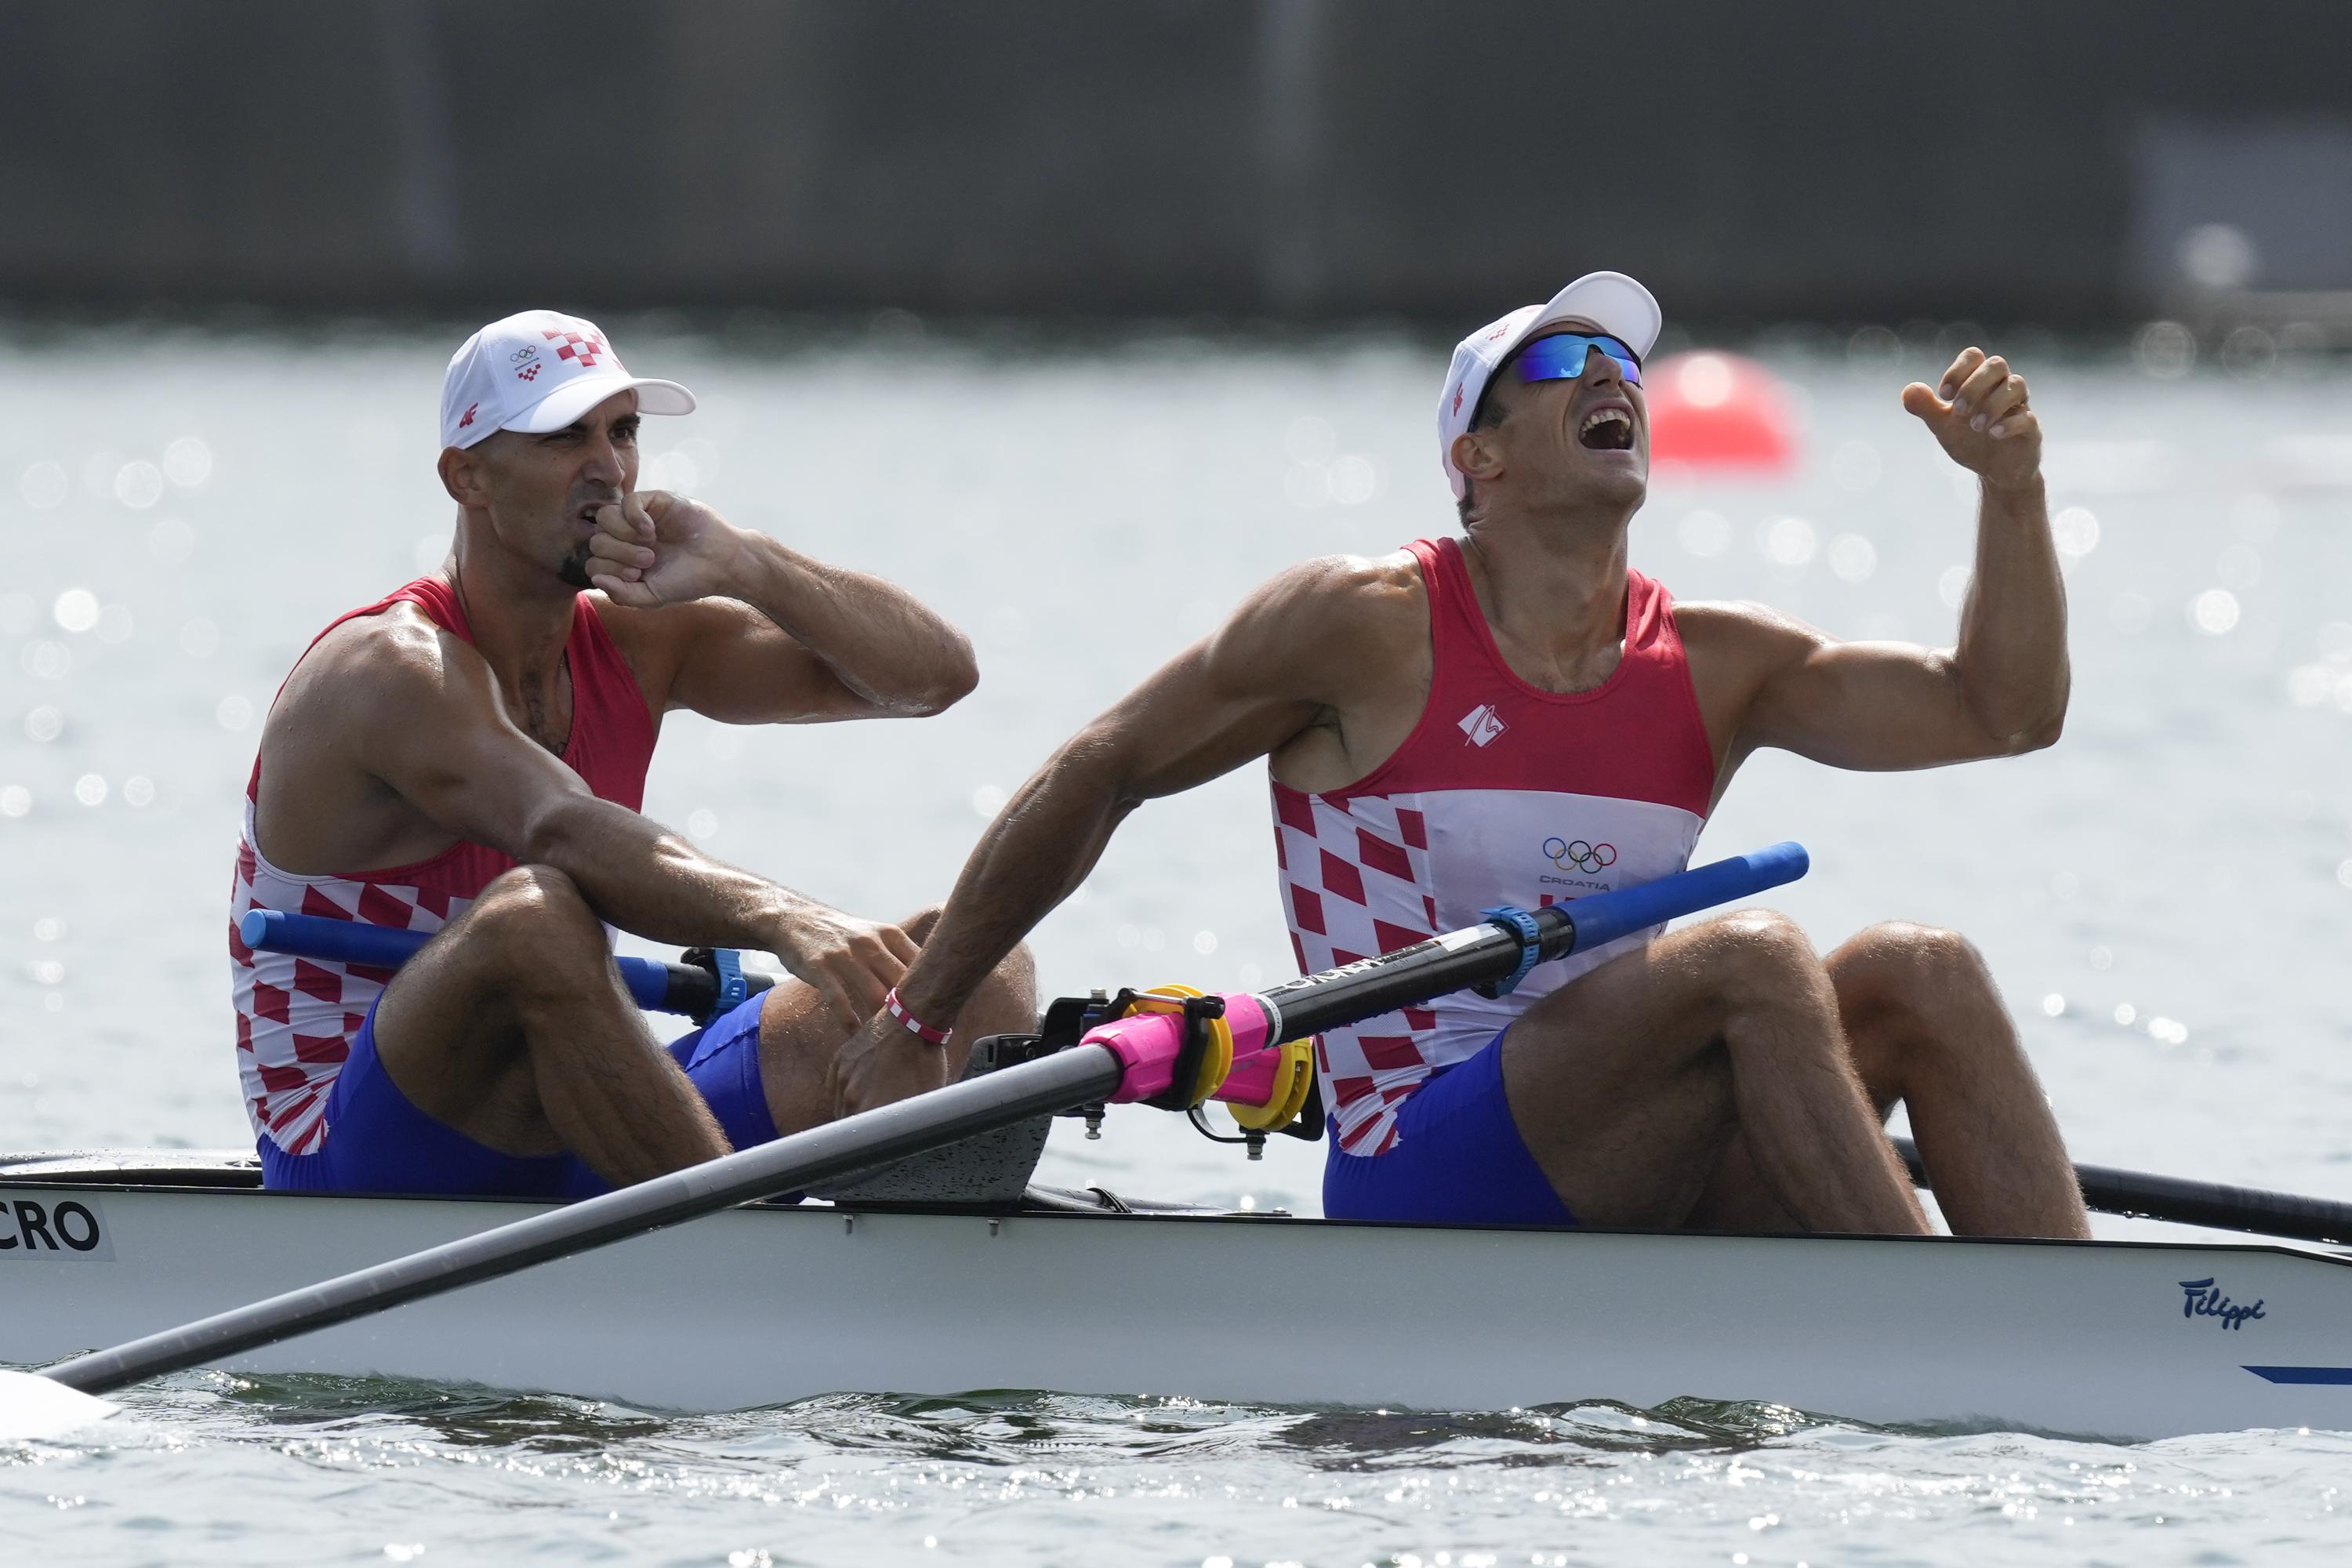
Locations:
1561 356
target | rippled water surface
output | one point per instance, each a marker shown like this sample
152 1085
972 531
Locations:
2166 897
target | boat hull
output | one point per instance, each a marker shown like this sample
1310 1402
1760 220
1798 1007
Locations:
763 1305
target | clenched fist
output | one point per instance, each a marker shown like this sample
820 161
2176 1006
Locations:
1980 415
656 548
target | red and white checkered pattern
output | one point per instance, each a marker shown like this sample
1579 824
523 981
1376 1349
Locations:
1502 794
296 1017
1355 882
583 347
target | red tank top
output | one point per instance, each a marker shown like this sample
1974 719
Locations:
296 1017
1504 794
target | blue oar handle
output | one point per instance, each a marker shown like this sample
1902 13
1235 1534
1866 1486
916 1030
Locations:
1605 917
345 941
691 989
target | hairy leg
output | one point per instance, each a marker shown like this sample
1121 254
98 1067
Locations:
1928 1028
1629 1083
511 1027
797 1038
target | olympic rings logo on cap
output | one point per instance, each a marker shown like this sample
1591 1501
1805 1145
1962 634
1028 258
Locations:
1586 857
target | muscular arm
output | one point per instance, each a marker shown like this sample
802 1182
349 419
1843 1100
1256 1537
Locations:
1285 666
1281 665
747 631
1766 680
425 717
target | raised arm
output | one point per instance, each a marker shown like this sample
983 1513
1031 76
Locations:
425 718
749 631
1284 663
1767 681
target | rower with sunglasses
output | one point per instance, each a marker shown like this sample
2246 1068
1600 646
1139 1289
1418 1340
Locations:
1518 718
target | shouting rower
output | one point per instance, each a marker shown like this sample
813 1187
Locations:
467 754
1516 717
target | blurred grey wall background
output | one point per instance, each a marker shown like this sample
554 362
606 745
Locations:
1840 160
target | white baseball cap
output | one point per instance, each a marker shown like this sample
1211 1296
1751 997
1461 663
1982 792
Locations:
538 371
1610 300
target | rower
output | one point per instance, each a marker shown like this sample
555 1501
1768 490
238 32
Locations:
1514 716
466 755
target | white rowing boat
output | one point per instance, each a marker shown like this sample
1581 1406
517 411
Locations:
1062 1290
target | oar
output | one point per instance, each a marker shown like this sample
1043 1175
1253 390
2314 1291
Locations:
1130 1059
693 989
2138 1195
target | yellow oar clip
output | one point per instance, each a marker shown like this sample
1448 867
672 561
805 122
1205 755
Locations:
1217 1060
1294 1078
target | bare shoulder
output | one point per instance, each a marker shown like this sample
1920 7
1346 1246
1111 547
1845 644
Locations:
400 661
1346 599
1322 631
1742 634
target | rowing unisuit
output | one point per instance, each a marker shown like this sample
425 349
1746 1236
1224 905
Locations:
296 1017
1504 794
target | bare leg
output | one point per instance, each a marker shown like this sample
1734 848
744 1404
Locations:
1928 1027
511 1027
798 1038
1629 1084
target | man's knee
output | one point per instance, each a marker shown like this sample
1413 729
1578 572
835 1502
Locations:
1761 948
533 907
1901 963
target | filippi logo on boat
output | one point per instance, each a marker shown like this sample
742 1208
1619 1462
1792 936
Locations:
2201 1298
1578 855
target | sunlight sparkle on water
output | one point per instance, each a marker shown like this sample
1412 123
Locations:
139 485
1852 558
76 610
2075 532
44 485
2214 611
1788 541
187 462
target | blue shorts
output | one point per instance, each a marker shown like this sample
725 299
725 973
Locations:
377 1142
1458 1159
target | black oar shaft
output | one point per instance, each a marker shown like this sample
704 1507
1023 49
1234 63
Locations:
2138 1195
854 1143
1400 979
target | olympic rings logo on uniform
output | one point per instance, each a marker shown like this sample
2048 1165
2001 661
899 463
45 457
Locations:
1585 858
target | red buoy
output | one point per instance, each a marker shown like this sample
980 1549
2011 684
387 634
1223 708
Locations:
1715 410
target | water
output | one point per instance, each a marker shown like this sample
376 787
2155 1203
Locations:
2165 897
